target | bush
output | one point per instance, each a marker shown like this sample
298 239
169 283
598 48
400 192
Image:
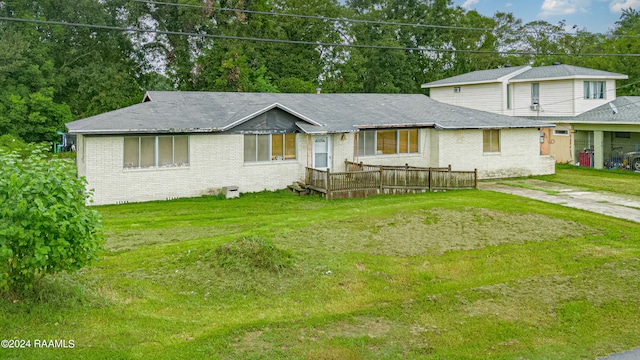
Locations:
249 254
45 226
9 143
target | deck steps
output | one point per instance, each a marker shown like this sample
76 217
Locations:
299 188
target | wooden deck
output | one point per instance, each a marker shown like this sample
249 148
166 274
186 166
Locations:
368 180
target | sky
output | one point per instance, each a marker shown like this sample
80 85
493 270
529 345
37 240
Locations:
597 16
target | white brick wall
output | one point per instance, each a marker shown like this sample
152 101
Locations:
519 153
216 161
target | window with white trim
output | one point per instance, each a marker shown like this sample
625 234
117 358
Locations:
269 147
594 89
387 141
156 151
491 141
535 93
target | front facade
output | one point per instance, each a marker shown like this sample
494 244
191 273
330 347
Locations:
190 144
546 92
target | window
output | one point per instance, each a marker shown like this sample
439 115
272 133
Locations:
508 96
491 141
388 141
560 132
156 151
594 89
623 135
535 93
456 89
271 147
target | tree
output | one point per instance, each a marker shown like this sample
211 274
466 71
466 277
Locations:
45 226
51 74
625 41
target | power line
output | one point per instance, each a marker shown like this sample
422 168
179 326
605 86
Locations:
361 21
300 42
316 17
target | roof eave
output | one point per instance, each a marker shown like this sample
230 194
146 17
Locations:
572 77
142 131
428 86
487 127
395 126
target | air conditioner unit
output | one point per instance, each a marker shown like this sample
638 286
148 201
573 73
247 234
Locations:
535 107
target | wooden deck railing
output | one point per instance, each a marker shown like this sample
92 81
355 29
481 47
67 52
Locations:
369 180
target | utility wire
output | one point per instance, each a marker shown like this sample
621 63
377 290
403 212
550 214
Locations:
348 20
299 42
317 17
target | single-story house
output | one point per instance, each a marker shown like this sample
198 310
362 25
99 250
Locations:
181 144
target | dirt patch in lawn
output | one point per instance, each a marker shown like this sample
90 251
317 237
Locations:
433 231
538 299
133 239
252 343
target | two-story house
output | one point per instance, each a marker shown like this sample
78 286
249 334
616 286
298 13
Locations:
562 94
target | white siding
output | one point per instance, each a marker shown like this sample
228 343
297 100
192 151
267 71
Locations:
556 98
486 97
519 153
583 105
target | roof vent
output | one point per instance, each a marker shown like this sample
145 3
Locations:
507 65
318 90
557 63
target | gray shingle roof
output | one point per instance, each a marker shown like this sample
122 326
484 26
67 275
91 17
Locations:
564 72
191 112
622 110
480 76
537 73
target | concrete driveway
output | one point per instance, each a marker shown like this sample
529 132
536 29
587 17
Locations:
620 206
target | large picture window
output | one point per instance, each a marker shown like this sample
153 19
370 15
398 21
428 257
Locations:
594 89
387 141
271 147
491 140
156 151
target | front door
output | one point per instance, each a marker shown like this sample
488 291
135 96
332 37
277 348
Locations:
322 152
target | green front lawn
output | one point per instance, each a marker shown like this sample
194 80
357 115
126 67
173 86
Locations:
615 181
455 275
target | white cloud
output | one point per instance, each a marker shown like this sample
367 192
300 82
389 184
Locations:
508 4
467 4
616 6
565 7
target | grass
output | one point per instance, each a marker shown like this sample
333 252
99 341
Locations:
522 184
615 181
456 275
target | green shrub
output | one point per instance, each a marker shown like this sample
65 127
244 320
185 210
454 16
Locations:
45 226
249 254
10 143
